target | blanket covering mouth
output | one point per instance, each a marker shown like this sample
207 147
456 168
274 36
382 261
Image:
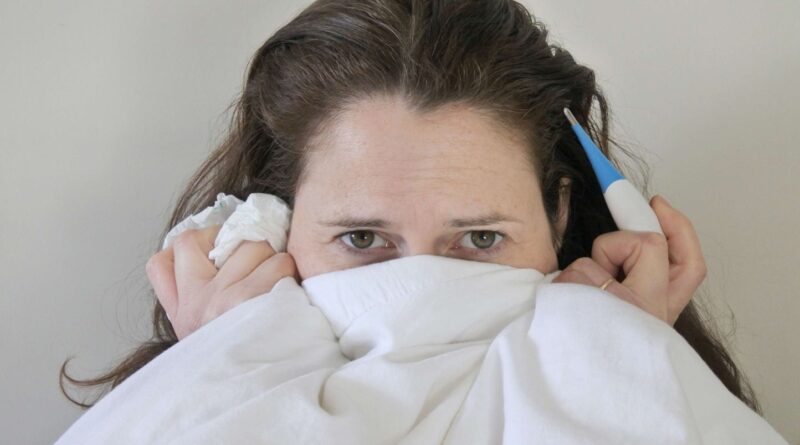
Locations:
426 350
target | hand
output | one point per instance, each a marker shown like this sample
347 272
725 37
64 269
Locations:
192 290
661 272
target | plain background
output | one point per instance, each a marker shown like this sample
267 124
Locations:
107 107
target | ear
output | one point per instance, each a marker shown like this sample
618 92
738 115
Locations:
563 208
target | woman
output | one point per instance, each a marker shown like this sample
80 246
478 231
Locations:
389 127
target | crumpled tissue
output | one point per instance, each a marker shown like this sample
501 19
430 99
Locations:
262 217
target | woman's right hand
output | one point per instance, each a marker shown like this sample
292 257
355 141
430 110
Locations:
191 289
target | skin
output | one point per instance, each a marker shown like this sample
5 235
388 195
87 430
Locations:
418 172
381 160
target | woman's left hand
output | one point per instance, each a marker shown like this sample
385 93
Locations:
661 272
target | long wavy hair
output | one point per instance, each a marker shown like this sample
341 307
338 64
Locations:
490 54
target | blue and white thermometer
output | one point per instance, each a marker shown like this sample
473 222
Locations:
630 210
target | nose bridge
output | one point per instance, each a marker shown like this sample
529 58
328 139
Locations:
423 242
422 235
422 249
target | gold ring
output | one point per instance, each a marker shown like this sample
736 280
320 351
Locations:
605 285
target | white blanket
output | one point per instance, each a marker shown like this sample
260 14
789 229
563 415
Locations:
426 350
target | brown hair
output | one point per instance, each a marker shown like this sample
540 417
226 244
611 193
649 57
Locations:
489 54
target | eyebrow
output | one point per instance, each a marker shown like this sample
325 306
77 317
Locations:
482 220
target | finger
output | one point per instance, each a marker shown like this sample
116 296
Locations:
245 258
587 271
192 266
160 270
678 229
594 271
261 280
272 270
570 275
687 263
643 258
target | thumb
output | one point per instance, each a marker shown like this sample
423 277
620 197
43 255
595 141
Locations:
192 266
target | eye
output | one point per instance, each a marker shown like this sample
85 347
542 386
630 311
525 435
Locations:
364 242
360 241
484 240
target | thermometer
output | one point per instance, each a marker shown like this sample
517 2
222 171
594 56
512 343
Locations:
630 210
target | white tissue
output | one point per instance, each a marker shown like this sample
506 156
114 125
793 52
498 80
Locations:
263 217
216 214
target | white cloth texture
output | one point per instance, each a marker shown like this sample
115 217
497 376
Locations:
426 350
262 217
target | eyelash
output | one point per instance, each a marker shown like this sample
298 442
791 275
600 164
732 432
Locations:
482 252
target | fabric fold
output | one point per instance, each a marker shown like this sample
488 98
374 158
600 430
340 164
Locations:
426 350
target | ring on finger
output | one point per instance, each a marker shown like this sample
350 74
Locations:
605 285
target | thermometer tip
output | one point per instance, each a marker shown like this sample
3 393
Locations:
570 117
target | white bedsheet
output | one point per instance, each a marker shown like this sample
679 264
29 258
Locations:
426 350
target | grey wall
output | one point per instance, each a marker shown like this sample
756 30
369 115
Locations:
106 107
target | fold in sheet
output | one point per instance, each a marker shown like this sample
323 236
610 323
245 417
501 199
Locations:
426 350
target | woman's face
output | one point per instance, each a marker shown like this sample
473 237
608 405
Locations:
383 182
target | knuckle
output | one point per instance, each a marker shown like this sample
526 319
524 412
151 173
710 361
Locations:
583 262
654 239
607 239
154 264
569 275
266 246
151 266
701 270
565 275
263 248
604 237
284 263
185 238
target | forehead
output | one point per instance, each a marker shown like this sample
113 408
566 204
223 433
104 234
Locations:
381 149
